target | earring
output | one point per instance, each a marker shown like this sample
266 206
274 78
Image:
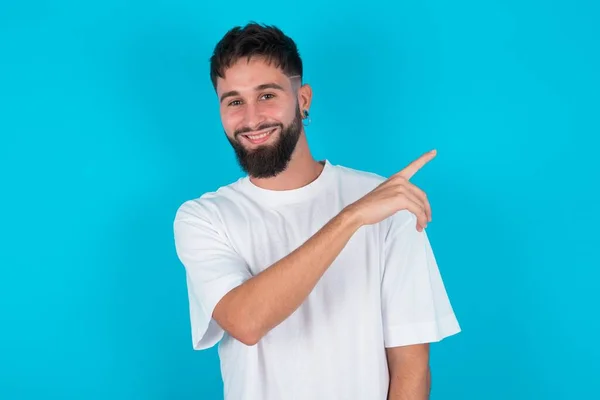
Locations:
306 118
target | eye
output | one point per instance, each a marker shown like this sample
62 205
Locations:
267 96
234 103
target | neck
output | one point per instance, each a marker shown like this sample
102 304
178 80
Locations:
302 170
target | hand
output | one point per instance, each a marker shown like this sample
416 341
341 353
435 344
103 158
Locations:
395 194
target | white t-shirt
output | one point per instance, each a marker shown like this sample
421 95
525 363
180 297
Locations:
383 290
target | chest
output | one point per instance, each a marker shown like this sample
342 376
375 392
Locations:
347 294
263 236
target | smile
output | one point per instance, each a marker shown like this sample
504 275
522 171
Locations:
259 138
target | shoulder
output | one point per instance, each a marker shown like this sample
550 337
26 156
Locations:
352 183
358 179
209 205
359 175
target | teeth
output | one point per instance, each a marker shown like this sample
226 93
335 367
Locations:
256 137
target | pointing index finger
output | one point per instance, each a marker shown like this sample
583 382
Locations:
416 165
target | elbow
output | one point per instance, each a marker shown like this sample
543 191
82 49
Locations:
247 336
246 332
239 323
249 339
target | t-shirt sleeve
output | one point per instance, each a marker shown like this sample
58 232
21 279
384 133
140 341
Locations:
212 267
415 306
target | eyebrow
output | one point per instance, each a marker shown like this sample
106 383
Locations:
264 86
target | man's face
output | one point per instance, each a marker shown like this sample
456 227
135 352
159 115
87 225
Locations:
261 116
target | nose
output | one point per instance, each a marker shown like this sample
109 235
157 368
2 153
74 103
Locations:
252 116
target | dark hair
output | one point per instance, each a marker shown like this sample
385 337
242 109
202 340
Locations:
255 40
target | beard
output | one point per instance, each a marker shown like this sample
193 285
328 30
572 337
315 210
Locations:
267 161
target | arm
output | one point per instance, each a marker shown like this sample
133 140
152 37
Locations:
224 296
255 307
416 310
410 376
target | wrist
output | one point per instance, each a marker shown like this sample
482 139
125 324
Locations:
351 217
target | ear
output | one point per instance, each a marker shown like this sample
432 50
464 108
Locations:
304 97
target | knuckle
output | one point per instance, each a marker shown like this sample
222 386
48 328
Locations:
399 178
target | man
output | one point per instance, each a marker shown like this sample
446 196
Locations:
318 280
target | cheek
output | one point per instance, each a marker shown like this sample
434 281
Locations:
230 121
276 112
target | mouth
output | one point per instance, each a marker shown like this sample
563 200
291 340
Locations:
260 136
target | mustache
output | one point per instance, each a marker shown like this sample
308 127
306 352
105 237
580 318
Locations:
247 129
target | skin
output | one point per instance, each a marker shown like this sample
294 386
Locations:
254 93
252 107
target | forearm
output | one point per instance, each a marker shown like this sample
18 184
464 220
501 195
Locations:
252 309
410 384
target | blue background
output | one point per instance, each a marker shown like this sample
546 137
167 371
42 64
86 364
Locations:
109 122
